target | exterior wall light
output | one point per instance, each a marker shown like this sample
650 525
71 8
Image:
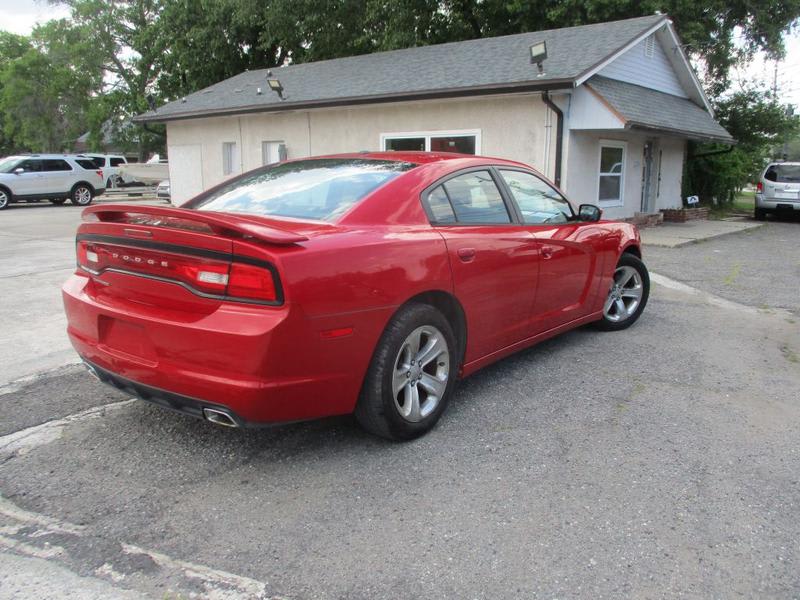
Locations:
275 86
538 55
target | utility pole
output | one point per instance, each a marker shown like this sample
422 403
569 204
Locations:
775 83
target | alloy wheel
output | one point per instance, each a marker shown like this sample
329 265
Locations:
3 199
421 372
625 294
82 195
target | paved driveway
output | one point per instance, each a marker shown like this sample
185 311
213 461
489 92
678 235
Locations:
655 462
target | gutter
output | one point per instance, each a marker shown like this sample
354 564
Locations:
559 135
526 86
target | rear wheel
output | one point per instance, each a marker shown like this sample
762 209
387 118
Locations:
760 214
411 376
5 198
82 195
627 296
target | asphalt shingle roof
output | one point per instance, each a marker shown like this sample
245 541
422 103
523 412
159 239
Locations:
644 107
481 65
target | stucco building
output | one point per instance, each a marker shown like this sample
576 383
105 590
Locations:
606 114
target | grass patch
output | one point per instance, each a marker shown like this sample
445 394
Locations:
789 354
730 279
743 202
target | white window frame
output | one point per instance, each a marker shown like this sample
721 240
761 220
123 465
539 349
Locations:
233 167
264 144
611 144
399 135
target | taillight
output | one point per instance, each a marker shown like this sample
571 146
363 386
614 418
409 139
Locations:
237 281
252 283
100 173
759 188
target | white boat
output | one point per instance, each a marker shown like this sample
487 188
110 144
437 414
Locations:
152 171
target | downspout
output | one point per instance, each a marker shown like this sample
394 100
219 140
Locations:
559 135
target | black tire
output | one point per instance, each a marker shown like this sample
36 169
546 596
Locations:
58 201
82 194
377 409
5 198
607 323
760 214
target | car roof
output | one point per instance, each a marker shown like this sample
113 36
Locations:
784 162
421 158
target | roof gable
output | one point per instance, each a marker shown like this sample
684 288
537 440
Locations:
646 64
486 65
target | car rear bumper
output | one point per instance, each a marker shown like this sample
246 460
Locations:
261 365
777 203
177 402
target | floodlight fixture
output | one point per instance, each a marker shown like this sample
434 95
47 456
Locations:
275 86
538 55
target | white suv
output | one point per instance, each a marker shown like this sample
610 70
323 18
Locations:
110 163
55 177
779 189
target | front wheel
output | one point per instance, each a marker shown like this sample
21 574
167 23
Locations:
411 376
627 296
82 195
5 199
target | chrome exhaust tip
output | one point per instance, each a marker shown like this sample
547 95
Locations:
219 417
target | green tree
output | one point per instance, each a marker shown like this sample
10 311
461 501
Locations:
12 47
757 122
43 98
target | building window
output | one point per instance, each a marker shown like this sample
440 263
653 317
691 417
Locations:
611 176
272 152
464 142
230 158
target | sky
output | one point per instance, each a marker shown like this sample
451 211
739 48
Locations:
20 16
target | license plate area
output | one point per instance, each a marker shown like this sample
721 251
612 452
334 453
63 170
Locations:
125 340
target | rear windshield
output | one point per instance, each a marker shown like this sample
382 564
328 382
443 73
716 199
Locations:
319 189
783 173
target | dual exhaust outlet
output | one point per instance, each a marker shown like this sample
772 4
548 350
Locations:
219 417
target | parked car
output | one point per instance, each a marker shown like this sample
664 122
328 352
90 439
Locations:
778 190
55 177
111 163
365 283
162 191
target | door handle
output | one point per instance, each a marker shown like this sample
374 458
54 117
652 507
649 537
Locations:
466 254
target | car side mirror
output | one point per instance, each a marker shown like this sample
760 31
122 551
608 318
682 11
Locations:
589 213
18 171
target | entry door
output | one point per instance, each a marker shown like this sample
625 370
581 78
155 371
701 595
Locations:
648 204
568 250
494 261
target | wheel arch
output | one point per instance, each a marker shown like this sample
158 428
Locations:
634 249
451 308
86 183
7 191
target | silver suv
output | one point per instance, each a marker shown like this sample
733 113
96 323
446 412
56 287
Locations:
778 190
55 177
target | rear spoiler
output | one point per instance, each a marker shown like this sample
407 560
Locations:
218 222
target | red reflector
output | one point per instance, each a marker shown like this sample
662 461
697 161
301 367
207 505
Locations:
251 282
336 333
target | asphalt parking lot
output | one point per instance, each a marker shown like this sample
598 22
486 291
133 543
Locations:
661 461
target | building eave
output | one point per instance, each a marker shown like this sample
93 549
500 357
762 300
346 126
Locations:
288 105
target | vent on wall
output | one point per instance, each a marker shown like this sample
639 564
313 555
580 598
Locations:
650 46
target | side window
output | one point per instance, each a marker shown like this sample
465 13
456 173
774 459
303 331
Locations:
56 164
476 199
439 206
31 165
117 161
537 200
86 163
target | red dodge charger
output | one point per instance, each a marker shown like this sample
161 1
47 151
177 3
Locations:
358 283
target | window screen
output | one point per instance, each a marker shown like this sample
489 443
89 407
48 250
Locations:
476 199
